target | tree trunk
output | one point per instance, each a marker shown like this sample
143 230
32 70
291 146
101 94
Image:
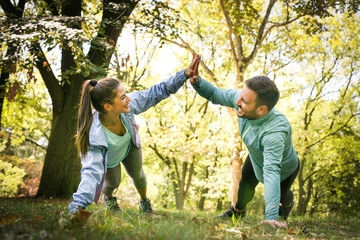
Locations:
304 195
61 171
219 205
205 190
4 78
180 200
201 203
301 207
180 185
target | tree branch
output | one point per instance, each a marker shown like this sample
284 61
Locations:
12 11
115 15
52 7
191 170
260 36
332 133
52 84
176 169
186 46
230 27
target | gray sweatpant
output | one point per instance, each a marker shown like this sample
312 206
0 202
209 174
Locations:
133 166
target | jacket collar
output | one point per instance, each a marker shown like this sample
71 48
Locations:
97 135
260 121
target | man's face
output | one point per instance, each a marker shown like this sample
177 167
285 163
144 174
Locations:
247 104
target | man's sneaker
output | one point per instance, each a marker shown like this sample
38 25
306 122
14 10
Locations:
284 211
145 206
229 213
111 204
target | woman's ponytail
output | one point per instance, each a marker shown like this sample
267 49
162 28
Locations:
85 118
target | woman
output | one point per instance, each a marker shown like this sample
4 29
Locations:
109 135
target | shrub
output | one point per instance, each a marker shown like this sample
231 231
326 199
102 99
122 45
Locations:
10 179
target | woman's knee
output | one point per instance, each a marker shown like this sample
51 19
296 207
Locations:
140 181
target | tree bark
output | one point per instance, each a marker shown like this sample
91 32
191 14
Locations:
60 175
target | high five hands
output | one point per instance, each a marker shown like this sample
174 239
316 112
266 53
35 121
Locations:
192 70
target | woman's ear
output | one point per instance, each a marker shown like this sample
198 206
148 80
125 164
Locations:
107 107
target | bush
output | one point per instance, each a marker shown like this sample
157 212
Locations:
10 179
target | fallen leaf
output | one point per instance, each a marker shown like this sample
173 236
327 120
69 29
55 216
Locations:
9 218
220 236
250 232
292 231
80 217
36 220
127 225
199 220
244 236
211 232
233 230
179 223
63 222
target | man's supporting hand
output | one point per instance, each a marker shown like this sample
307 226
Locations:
274 223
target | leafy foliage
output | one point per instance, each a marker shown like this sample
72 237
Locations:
190 148
26 122
10 178
326 118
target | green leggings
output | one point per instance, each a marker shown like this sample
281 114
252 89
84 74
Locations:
249 182
133 165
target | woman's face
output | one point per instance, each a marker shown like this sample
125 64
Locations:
121 101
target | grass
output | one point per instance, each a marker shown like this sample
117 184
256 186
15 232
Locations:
48 219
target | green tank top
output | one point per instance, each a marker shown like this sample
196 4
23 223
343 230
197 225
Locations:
119 147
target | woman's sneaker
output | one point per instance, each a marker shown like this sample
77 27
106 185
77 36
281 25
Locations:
145 206
111 204
229 213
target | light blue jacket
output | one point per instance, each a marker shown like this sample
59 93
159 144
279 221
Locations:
93 163
268 140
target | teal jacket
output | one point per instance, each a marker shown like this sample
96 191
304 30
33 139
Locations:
93 163
268 141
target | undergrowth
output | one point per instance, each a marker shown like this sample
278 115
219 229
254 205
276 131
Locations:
25 218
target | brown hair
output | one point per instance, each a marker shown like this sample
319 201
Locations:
94 94
266 90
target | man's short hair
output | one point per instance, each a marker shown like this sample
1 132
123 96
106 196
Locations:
266 90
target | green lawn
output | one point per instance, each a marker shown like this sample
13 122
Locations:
48 219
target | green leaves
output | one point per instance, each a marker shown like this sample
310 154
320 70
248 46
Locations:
10 179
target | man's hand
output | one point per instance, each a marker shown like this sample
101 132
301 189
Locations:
192 70
274 223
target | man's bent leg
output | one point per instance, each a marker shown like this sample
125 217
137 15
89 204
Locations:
247 185
287 197
246 191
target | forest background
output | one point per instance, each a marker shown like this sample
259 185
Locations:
309 48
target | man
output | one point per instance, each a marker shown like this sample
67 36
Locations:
266 132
